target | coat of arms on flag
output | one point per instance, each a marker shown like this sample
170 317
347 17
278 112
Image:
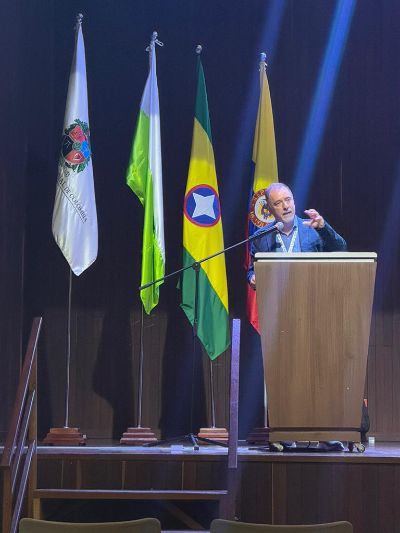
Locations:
258 210
76 146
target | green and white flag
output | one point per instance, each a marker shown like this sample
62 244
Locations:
74 215
144 177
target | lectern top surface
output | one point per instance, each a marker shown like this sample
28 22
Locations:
363 257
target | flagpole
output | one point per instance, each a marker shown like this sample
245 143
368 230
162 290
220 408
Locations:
196 268
141 357
67 388
139 435
212 395
260 435
74 224
212 432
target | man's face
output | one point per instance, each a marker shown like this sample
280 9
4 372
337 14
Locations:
281 205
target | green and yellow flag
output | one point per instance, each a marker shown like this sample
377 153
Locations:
203 236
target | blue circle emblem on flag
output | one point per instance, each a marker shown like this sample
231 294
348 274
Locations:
201 206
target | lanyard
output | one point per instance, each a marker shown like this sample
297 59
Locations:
293 240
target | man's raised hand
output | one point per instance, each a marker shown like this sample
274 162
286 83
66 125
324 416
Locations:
316 220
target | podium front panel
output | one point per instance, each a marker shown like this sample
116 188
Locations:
315 314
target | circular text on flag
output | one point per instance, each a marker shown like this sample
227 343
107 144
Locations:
258 212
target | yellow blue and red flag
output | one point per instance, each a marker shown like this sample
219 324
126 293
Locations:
265 172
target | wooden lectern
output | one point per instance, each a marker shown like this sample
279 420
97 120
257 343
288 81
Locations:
315 313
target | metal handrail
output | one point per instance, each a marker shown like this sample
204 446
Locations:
17 452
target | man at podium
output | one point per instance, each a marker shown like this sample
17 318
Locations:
297 234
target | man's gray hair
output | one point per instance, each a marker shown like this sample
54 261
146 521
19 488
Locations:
274 187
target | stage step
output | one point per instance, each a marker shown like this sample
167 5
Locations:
90 494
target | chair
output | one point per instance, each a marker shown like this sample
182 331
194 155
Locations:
228 526
145 525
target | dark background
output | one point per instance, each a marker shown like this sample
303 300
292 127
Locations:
354 183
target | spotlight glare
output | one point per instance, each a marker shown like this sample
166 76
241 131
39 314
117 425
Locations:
321 100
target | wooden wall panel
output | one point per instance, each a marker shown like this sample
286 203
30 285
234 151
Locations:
272 488
104 375
255 501
363 494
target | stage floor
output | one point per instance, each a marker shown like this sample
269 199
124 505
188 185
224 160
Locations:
381 452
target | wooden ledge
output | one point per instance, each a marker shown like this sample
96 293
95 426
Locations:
90 494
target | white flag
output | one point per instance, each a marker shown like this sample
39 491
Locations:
74 214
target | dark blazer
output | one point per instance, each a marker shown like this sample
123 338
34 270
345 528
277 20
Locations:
311 240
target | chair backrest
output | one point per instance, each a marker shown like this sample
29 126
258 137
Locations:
145 525
228 526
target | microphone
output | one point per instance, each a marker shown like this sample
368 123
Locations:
276 227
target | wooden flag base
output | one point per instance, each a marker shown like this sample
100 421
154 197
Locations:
65 437
138 436
258 436
217 434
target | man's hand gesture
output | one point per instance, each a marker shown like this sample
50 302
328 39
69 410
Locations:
316 221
